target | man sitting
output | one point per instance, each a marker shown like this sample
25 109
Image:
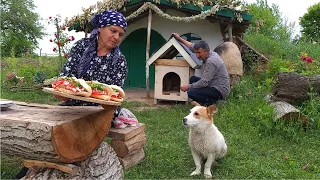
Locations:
213 83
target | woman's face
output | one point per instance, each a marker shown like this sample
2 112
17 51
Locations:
110 36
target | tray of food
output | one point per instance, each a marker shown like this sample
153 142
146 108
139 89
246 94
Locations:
90 91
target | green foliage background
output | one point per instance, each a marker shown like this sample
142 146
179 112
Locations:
258 146
310 22
20 27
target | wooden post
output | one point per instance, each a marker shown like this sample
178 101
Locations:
230 32
246 44
58 38
147 53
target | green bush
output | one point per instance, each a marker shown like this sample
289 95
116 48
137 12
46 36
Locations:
30 69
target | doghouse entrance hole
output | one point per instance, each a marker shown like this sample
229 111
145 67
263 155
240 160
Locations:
171 84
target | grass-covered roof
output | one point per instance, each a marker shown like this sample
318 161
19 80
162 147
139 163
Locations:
196 9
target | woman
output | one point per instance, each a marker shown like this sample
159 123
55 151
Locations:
98 57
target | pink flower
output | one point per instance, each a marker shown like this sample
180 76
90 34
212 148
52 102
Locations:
309 59
58 43
51 40
72 38
63 28
50 17
54 49
66 55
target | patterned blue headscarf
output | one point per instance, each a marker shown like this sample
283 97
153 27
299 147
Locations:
106 18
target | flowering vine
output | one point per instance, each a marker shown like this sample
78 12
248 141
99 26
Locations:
118 4
61 39
149 5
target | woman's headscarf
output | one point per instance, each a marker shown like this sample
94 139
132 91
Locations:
106 18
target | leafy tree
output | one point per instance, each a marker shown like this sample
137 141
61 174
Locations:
310 23
20 27
269 21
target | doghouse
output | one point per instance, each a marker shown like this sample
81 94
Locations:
174 64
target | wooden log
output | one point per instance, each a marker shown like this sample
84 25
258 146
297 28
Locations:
126 133
102 164
254 50
290 87
123 148
133 159
289 113
53 133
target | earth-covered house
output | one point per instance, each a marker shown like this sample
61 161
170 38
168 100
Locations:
192 19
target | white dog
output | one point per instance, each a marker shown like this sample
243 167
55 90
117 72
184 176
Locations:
205 140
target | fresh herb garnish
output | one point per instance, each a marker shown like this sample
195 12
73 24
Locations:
96 86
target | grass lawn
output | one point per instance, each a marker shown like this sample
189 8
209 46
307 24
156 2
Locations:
257 147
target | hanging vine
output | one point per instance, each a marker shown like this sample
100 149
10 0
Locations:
149 5
118 4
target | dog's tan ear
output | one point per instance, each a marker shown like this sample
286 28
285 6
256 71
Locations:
195 103
212 109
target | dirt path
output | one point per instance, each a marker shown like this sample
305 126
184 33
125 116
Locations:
140 95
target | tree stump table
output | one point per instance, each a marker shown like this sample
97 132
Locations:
66 138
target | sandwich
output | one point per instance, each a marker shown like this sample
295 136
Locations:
117 94
100 90
72 85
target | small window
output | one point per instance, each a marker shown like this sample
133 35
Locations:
191 37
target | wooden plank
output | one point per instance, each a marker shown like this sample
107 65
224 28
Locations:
246 44
159 53
170 62
46 114
124 148
184 53
133 159
126 133
45 164
88 99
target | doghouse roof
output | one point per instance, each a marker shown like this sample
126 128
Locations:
171 49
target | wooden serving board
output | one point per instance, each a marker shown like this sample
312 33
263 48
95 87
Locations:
88 99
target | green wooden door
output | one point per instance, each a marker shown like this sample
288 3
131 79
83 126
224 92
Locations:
134 48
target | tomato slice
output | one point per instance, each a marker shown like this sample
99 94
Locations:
57 83
115 96
94 92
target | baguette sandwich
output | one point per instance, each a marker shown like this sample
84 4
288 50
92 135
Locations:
117 94
100 90
72 85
